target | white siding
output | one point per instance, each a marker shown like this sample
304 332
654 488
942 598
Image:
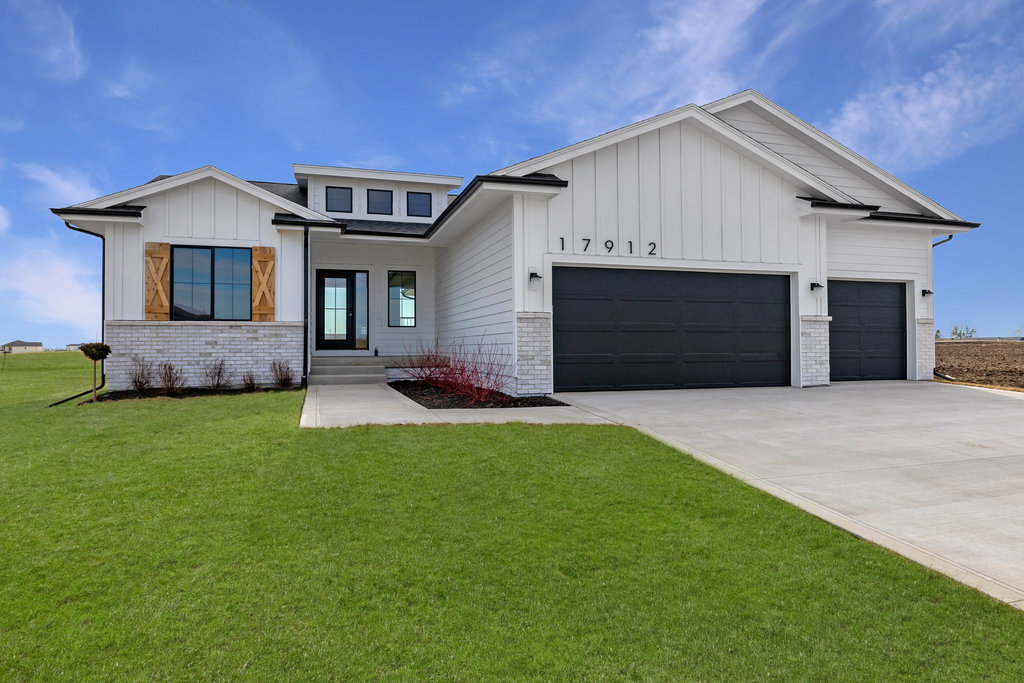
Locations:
802 154
317 198
475 283
673 193
209 213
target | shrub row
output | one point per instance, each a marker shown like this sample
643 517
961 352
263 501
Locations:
144 376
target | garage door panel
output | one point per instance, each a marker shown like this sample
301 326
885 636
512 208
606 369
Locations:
868 332
673 329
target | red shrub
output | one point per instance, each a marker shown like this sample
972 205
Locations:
477 372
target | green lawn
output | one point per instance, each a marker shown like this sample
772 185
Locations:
211 538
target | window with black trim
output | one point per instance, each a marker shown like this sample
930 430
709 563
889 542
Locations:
211 283
379 201
417 204
339 199
401 298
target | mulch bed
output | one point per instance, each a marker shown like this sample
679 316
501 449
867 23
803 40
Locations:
430 396
188 392
982 362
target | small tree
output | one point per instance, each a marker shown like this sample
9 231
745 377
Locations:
95 352
938 334
962 330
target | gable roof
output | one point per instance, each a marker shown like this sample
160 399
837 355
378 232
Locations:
697 115
791 123
18 342
279 198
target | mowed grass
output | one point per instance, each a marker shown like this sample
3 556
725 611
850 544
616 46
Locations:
212 538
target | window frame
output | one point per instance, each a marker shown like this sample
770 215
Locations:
327 198
213 283
391 202
430 204
415 312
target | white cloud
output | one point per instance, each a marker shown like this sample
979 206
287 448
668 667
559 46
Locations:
371 159
931 17
133 81
47 33
975 95
62 188
5 220
48 286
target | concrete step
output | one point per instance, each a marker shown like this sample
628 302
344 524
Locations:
324 370
350 361
347 379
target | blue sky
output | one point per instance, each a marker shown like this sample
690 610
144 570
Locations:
101 96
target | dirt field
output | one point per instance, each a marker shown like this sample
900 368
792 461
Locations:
981 362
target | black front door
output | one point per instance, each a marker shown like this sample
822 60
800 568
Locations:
341 311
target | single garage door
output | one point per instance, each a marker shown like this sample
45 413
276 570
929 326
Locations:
657 329
868 332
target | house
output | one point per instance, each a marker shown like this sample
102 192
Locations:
731 244
18 346
73 347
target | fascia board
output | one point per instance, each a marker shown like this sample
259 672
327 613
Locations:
72 217
936 229
306 170
795 123
193 176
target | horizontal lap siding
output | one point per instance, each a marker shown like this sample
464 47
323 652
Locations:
874 253
803 155
474 283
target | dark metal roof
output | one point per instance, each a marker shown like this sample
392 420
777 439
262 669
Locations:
915 218
123 210
829 204
544 179
18 342
162 176
292 219
290 191
878 215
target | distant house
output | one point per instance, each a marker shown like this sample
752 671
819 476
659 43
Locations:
18 346
73 347
726 245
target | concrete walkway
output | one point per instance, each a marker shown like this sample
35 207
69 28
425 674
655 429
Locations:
932 471
379 404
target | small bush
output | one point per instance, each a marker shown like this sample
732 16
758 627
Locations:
140 375
95 351
248 381
216 376
476 372
172 380
284 377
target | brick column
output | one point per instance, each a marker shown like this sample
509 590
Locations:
814 350
925 348
533 354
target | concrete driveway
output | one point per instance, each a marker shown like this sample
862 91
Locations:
932 471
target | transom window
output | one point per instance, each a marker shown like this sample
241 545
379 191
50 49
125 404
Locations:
401 298
339 199
379 201
418 204
211 283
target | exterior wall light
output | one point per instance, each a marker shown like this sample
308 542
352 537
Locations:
534 275
926 292
817 285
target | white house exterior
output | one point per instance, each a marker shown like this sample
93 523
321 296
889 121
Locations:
19 346
725 245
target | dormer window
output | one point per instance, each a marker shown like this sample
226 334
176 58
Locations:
379 202
339 199
418 204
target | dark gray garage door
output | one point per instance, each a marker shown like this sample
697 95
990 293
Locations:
648 329
868 332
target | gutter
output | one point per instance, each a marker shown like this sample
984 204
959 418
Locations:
305 306
103 310
947 238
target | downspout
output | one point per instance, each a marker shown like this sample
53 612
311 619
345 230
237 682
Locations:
305 305
942 241
103 310
936 373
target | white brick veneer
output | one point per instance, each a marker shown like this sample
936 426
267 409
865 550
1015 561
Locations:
925 348
814 350
533 352
192 346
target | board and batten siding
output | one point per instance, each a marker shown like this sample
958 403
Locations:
891 254
474 283
673 193
800 153
208 213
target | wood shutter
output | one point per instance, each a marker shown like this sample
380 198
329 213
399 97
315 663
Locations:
263 284
158 281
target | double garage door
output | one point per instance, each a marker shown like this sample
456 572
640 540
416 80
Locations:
638 329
